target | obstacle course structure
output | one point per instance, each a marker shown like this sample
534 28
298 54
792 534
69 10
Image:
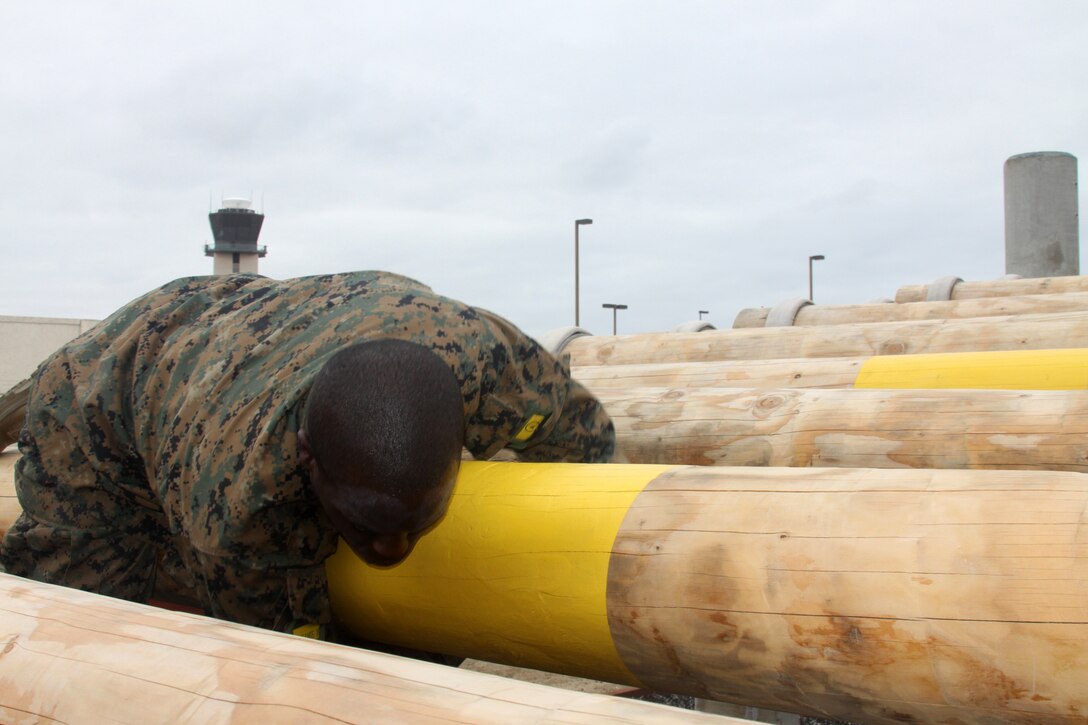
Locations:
814 579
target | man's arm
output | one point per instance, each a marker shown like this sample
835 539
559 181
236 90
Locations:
533 406
293 600
583 432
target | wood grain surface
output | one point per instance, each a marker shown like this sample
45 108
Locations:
1020 332
872 596
75 657
838 372
954 429
951 309
999 288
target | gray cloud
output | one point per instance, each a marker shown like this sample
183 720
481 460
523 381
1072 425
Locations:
715 144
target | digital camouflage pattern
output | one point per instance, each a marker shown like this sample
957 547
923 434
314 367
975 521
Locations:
160 453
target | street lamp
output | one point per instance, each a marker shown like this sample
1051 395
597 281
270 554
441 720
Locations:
610 306
577 223
703 312
813 258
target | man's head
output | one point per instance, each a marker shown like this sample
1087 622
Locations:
382 441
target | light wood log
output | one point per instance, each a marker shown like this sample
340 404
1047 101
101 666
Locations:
9 502
953 429
867 595
876 596
13 413
75 657
1022 332
1009 370
794 373
953 309
999 288
871 596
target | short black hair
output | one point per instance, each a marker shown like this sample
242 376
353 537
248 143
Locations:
388 412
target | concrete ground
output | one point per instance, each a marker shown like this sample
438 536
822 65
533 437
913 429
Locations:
610 688
545 678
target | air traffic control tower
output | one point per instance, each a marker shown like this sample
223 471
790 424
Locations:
235 228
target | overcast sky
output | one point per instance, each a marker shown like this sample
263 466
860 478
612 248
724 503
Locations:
716 145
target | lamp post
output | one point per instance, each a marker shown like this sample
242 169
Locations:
577 223
811 259
703 312
610 306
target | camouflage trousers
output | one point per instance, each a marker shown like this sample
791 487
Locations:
89 524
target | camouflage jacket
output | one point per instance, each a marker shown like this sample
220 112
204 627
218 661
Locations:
193 394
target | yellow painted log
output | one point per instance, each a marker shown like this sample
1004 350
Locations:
68 656
1012 370
876 596
546 562
868 595
952 429
952 309
999 288
1022 332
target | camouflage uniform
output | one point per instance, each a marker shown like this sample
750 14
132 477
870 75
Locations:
160 451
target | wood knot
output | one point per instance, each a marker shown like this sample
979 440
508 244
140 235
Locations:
769 402
893 347
764 405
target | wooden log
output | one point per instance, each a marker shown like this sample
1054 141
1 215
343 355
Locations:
1023 332
1011 370
952 429
9 502
909 428
793 373
999 288
953 309
873 596
77 657
13 413
902 426
876 596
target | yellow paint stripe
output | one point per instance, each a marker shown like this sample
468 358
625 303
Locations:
1012 370
530 427
517 570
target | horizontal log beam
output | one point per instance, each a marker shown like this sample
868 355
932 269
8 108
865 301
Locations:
1011 370
868 595
71 656
13 412
999 288
1023 332
952 429
874 596
953 309
839 372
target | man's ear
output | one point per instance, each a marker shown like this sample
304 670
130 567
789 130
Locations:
305 452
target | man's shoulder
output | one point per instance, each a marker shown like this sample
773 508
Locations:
372 278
